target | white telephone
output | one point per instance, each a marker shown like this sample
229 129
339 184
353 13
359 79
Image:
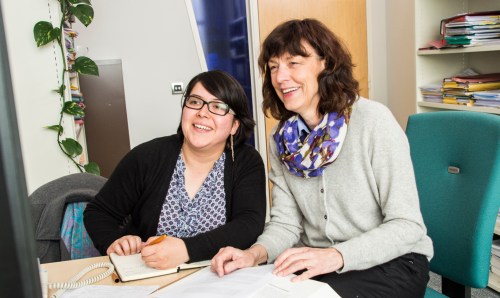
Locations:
74 282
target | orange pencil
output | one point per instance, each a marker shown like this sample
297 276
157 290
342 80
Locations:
157 240
115 277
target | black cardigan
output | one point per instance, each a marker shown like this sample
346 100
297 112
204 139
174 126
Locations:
139 185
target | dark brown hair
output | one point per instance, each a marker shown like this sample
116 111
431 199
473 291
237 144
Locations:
337 87
227 89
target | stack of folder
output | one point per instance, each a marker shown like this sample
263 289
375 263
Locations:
487 98
467 89
471 29
432 92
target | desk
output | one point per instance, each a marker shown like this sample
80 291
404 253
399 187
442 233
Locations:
211 287
63 271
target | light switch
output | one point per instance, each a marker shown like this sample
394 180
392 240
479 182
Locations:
177 88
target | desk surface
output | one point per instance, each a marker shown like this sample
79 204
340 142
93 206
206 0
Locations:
63 271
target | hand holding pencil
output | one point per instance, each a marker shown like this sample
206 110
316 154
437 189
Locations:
131 244
164 252
115 277
157 240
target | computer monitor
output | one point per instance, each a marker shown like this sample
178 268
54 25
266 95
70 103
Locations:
19 276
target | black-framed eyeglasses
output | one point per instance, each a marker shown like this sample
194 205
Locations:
195 102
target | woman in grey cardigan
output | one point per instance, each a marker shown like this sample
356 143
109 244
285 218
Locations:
345 204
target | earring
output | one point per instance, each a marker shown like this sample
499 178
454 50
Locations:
232 147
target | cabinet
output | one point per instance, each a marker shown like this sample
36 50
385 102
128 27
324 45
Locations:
434 65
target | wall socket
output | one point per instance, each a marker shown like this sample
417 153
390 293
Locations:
177 88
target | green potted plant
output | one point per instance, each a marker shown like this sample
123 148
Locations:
44 32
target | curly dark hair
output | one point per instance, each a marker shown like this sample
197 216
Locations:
338 89
227 89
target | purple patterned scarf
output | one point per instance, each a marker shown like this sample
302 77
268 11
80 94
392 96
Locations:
320 148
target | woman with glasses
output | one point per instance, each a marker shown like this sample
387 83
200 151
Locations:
203 187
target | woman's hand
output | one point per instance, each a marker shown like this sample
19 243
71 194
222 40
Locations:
126 245
314 261
229 259
168 253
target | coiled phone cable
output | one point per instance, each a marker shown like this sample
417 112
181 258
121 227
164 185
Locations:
73 283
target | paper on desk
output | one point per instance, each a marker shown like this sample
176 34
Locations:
254 282
110 292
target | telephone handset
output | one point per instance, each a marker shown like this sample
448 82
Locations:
73 283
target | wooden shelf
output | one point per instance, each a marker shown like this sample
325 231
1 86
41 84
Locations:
494 282
446 106
476 49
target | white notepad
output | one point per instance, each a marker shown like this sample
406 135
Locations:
132 267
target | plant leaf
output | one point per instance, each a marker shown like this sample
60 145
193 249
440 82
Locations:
72 147
92 168
73 108
61 89
86 66
83 12
44 33
74 2
57 128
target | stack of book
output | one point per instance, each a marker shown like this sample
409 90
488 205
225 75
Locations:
471 29
467 89
77 96
69 39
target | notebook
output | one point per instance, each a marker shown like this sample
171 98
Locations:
132 267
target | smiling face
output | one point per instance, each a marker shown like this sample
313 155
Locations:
295 80
203 130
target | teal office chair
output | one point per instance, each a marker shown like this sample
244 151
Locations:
456 157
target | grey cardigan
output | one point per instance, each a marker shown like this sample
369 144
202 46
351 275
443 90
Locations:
365 204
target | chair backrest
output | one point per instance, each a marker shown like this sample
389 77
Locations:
50 206
456 157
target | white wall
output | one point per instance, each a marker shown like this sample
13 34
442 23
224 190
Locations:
391 55
154 40
35 73
401 49
377 50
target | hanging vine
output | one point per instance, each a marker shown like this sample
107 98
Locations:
44 33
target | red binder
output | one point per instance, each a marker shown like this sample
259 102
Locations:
481 78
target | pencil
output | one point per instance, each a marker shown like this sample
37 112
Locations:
157 240
115 277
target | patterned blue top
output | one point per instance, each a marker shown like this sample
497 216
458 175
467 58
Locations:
184 217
